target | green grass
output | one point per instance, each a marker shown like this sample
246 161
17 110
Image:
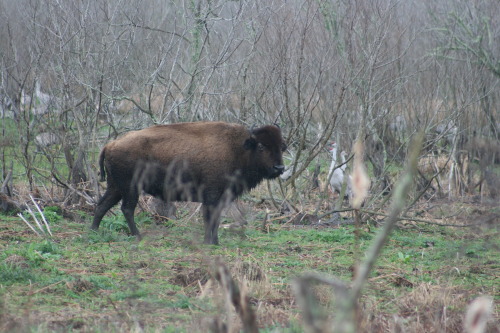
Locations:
106 280
11 274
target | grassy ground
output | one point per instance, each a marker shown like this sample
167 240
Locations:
107 281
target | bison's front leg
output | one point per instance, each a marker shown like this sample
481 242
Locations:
211 217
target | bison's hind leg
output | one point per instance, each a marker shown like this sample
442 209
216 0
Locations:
108 200
211 217
129 203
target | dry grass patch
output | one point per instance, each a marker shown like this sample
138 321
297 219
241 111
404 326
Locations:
426 308
433 308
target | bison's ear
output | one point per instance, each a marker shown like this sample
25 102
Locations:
250 143
283 146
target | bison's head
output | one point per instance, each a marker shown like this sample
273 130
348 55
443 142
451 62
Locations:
267 146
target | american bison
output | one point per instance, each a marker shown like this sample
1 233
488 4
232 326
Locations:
207 162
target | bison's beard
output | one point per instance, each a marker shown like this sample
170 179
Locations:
253 177
272 173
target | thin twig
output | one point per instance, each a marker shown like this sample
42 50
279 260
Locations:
36 220
312 315
5 185
45 288
235 297
335 211
88 199
409 218
29 225
345 319
41 213
399 196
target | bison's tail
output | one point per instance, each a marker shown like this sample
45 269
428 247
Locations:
101 165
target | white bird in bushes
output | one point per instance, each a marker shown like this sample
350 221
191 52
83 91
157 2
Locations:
343 154
348 190
44 103
338 176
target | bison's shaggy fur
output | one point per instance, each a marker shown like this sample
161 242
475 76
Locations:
207 162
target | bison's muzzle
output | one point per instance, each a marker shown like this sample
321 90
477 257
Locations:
277 170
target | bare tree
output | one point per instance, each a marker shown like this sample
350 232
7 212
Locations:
87 72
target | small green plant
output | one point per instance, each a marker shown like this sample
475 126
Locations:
10 274
39 252
115 223
332 236
103 236
101 282
143 218
52 214
182 302
46 247
169 223
405 258
129 294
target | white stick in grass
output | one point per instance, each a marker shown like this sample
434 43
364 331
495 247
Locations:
36 220
41 213
29 225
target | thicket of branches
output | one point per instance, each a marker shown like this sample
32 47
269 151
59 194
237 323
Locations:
75 74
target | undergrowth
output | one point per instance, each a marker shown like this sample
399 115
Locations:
106 280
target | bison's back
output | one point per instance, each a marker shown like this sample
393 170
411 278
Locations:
184 139
209 149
